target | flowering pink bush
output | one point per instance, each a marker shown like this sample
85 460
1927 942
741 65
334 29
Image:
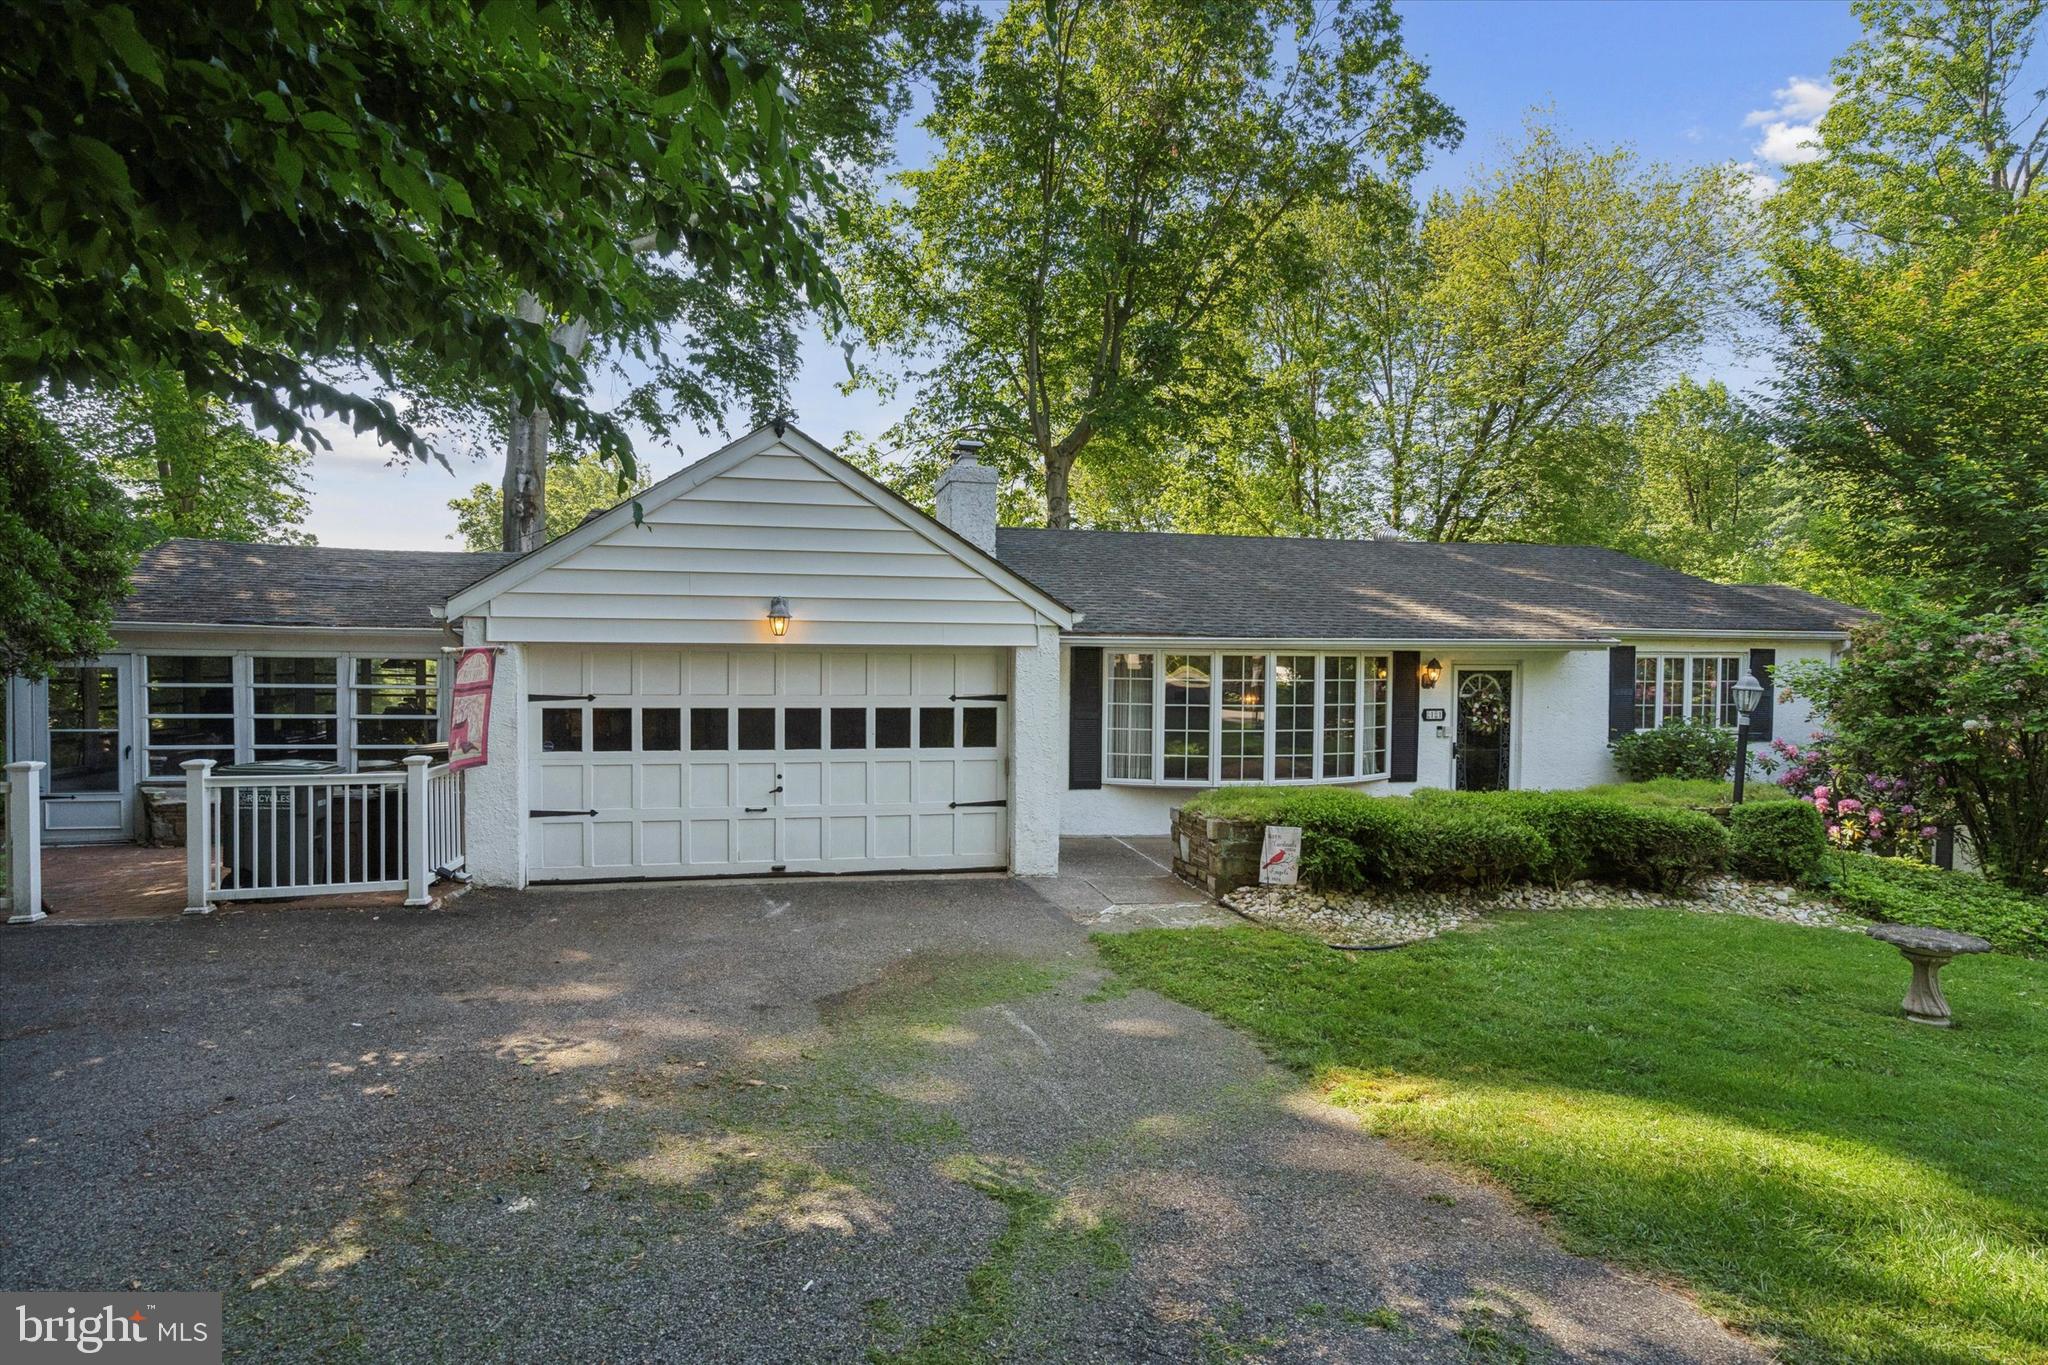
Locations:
1868 811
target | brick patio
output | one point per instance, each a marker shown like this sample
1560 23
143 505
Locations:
107 883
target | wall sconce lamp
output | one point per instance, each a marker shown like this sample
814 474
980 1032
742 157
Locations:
778 617
1432 673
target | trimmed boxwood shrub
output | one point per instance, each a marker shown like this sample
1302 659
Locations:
1694 749
1782 841
1601 838
1352 841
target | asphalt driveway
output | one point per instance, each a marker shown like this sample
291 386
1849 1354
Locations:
847 1120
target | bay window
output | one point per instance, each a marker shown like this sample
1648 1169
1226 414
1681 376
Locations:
1203 719
1675 687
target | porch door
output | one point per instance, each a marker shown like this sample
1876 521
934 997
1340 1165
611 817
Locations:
89 743
1485 726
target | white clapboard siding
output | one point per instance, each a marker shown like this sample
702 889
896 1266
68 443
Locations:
702 566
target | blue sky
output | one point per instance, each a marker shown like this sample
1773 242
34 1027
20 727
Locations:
1682 81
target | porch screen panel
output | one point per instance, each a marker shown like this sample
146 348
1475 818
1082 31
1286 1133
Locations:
396 707
85 729
191 710
295 707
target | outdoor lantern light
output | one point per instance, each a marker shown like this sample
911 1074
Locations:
1748 693
778 617
1432 672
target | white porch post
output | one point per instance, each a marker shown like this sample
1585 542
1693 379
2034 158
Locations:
417 873
198 837
1037 757
24 843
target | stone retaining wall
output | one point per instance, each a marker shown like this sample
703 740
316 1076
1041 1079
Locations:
163 816
1217 855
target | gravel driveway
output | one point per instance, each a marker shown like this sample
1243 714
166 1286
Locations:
871 1119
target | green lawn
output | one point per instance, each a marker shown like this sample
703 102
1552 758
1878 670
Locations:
1733 1101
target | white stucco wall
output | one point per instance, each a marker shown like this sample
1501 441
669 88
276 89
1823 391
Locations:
1038 755
495 796
1559 736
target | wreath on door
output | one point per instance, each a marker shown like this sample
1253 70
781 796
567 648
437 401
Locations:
1483 703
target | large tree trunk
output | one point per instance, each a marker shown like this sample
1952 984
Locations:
1058 509
525 488
526 482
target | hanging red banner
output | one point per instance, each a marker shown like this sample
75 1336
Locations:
469 713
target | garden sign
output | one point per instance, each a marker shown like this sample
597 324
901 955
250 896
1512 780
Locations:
1280 859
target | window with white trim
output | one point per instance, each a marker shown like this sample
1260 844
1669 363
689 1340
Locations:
1243 718
1186 737
191 709
1294 717
1674 687
396 707
1130 717
1197 719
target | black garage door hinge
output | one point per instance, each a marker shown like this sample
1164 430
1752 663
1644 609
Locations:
961 805
543 814
561 696
979 696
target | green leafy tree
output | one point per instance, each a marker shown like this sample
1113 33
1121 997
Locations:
191 467
1543 300
1068 277
255 198
1958 704
1711 493
66 544
1912 266
576 488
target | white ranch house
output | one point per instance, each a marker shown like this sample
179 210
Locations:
945 695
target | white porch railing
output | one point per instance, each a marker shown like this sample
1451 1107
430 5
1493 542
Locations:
21 843
260 837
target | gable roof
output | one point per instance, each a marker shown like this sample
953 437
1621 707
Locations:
788 440
1139 584
230 583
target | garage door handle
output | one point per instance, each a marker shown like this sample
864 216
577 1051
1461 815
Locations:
755 810
542 814
962 805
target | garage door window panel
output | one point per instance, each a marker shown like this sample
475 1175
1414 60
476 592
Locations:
802 727
849 727
661 729
611 729
935 727
892 727
757 727
708 730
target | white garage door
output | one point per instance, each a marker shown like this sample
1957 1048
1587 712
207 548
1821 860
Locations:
690 763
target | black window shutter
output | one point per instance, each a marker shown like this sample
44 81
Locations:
1763 720
1621 690
1407 714
1084 719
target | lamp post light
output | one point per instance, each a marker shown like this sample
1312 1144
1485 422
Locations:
1748 693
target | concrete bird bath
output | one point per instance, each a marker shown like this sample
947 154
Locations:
1929 950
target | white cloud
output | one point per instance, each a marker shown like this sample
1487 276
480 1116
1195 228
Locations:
1790 135
1756 183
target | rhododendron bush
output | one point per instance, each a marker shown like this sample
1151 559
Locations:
1933 717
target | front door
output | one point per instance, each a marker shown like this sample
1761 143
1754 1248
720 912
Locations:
1485 726
90 746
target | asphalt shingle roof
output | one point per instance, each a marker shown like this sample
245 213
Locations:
1140 583
222 582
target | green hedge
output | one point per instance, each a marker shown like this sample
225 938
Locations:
1783 841
1903 892
1695 749
1691 793
1352 841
